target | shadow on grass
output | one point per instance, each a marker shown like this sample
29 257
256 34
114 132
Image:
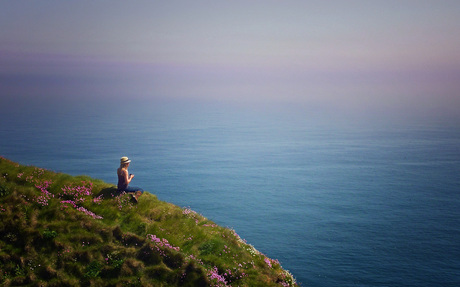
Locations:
108 192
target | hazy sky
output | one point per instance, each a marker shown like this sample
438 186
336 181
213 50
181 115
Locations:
355 55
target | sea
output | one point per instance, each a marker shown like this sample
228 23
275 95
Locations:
338 200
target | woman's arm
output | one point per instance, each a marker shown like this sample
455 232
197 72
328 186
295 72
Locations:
127 178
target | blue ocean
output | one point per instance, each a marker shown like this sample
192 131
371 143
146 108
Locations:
339 202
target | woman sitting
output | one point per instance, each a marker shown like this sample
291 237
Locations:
124 179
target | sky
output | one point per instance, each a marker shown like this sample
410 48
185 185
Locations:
352 56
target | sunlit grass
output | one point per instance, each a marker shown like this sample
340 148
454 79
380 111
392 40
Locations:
60 230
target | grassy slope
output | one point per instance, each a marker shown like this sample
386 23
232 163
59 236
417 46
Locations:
59 230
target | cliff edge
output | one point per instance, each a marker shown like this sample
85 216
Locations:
61 230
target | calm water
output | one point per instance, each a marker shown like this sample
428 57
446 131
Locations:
338 203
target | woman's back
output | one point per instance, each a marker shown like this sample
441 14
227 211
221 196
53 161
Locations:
122 184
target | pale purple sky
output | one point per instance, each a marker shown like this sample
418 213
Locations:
355 55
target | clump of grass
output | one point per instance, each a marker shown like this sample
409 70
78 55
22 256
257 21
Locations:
49 234
56 229
93 270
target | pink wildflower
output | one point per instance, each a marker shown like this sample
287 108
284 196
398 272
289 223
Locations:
213 274
86 211
98 199
268 262
161 243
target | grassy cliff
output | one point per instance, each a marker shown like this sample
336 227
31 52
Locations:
60 230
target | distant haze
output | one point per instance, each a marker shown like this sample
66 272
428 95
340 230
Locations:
388 57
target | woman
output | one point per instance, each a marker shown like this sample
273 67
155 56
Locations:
124 179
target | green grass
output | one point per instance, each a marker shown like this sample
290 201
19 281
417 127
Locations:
60 230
